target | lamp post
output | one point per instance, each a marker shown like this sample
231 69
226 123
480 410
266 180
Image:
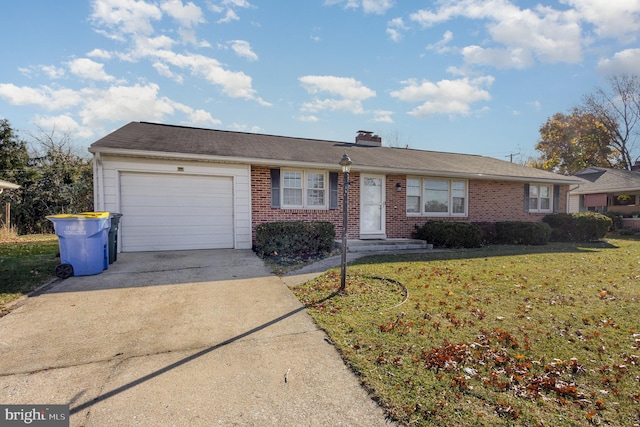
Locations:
345 164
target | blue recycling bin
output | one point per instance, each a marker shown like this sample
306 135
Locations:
83 241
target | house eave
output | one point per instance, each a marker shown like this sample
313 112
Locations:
607 190
8 185
327 166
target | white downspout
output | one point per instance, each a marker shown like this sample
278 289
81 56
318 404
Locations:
98 191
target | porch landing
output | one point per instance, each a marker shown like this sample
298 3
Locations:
387 245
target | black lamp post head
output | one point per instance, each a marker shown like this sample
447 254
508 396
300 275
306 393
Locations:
345 163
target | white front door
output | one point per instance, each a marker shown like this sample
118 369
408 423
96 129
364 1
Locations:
372 206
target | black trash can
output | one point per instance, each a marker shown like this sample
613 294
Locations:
113 236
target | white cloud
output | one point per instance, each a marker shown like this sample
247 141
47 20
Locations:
351 105
545 33
382 116
165 71
452 97
229 16
623 62
125 17
85 68
552 36
379 7
236 3
497 57
124 103
308 118
245 128
242 48
395 28
100 53
148 46
26 71
348 4
345 87
228 9
44 96
133 19
442 45
394 34
96 106
349 92
63 123
615 19
536 105
188 15
52 71
202 118
235 84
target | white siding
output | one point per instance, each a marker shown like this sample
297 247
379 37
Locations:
574 203
215 196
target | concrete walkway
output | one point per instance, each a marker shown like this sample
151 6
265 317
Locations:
190 338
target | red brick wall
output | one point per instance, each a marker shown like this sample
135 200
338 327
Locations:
489 201
261 210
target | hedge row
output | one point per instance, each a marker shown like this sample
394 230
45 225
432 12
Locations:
523 233
305 238
579 227
294 238
445 234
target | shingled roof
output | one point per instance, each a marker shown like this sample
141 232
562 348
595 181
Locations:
605 180
168 141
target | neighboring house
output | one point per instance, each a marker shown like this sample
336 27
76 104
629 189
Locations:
7 185
606 190
6 217
189 188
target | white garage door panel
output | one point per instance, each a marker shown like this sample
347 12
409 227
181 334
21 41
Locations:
175 212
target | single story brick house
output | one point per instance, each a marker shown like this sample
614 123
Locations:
190 188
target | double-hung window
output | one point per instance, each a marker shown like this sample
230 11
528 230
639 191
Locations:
304 190
413 195
540 198
436 197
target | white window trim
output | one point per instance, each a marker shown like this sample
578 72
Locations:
304 205
422 212
538 185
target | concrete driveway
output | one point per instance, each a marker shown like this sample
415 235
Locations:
190 338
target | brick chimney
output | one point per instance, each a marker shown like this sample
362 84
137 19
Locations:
368 139
636 166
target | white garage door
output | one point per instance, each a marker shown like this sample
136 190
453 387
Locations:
175 212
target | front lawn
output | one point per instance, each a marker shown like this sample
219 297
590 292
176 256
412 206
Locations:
504 335
26 262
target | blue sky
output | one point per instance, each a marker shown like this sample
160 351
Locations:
467 76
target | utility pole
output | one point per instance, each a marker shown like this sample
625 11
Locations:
510 156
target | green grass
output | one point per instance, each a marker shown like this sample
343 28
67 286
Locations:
504 335
26 263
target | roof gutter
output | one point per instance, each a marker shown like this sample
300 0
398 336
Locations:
328 166
608 190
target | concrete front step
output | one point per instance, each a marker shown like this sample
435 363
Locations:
387 245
